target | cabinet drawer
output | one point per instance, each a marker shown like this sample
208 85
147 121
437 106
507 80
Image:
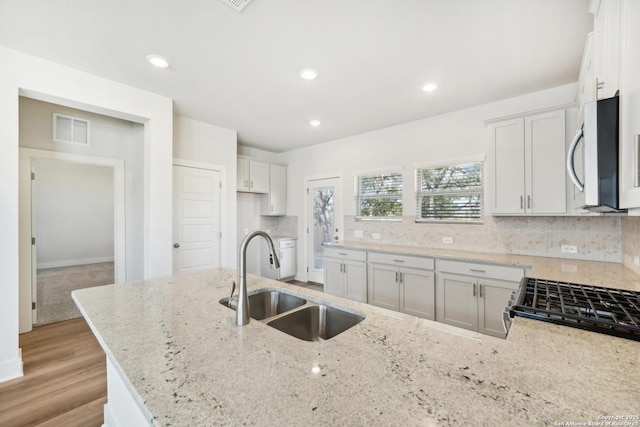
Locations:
402 260
481 270
344 254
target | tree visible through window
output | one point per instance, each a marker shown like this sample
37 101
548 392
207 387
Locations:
379 196
450 193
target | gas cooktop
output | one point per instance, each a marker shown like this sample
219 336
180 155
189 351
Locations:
605 310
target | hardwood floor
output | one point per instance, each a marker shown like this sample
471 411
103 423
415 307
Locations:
64 382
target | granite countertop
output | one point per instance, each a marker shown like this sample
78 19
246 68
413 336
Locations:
185 358
607 274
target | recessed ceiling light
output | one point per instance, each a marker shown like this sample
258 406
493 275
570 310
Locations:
430 87
308 74
315 123
158 61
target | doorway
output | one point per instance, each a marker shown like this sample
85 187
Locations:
324 221
32 160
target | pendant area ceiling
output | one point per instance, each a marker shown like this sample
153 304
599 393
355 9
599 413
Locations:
240 70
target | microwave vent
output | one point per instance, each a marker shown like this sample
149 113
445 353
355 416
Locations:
236 5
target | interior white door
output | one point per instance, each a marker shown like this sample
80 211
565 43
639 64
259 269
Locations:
324 222
196 218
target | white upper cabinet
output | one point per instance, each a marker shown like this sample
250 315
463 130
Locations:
528 165
606 46
252 176
275 203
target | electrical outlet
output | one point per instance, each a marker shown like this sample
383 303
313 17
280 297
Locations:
375 236
447 240
246 231
569 268
358 233
636 261
268 231
569 249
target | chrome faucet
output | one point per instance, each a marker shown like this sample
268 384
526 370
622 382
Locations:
242 309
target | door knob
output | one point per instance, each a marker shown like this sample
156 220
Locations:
176 245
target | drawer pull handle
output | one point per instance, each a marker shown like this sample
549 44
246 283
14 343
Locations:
398 260
474 289
477 270
343 254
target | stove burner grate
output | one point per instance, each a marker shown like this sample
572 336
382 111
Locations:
610 311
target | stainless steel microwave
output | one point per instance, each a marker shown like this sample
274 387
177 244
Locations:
600 133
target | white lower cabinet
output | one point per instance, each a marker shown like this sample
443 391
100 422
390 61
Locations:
473 296
345 273
402 283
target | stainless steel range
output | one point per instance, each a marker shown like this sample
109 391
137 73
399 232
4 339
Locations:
605 310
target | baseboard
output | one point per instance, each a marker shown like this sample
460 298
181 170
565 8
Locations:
71 262
11 369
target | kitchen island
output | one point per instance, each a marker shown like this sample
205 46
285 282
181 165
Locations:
184 362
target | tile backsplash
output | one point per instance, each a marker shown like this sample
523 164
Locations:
630 231
280 225
596 238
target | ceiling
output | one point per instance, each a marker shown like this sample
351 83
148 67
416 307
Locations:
241 70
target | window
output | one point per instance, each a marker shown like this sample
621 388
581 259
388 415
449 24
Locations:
450 193
379 195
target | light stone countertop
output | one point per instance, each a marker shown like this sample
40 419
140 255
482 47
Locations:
598 273
192 366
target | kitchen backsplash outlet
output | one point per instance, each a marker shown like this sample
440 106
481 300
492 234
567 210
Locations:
599 238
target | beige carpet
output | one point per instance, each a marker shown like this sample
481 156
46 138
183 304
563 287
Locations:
55 285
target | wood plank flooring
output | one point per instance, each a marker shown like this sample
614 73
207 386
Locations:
64 382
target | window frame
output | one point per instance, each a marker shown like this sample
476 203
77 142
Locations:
420 194
396 196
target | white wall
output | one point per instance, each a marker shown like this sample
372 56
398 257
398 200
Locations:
74 208
202 142
37 78
459 134
111 138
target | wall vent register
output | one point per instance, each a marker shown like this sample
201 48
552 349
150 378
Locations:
70 129
599 309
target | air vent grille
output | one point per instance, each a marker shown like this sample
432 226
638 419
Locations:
236 5
70 129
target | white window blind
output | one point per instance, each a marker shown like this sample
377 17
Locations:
379 195
451 193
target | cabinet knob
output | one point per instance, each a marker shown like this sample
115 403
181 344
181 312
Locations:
176 245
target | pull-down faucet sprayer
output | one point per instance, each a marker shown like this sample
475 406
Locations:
242 310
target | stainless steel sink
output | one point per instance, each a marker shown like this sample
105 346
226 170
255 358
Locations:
316 322
270 303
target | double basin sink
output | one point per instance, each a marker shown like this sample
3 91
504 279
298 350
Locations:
298 317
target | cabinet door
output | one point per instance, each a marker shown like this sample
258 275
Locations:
258 177
493 296
507 144
546 191
333 277
287 262
383 289
242 174
276 202
417 293
355 280
456 301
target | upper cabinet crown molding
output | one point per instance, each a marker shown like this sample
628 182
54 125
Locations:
529 113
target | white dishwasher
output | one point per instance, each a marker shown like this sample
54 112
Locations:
286 247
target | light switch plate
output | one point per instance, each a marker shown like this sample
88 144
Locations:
375 236
569 249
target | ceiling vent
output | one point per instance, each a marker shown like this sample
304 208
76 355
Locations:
236 5
70 129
